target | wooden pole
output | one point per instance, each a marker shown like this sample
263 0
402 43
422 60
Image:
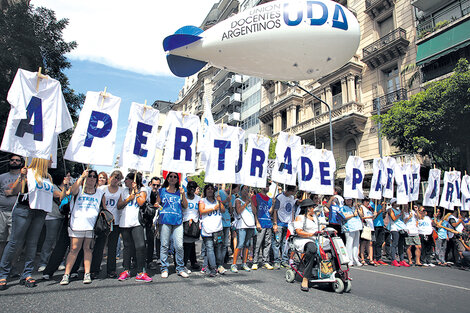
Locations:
103 95
84 181
23 182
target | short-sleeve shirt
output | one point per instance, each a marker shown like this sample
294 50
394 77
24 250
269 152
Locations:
171 212
6 182
112 201
85 210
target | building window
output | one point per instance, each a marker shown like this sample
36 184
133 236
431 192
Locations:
297 114
337 94
250 121
283 120
351 148
385 26
316 108
392 79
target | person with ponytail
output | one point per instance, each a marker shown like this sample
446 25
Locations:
36 190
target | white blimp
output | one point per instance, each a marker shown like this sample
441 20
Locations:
279 40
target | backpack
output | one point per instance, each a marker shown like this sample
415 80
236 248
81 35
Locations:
146 214
104 223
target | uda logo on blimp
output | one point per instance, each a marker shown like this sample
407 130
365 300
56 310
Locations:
315 8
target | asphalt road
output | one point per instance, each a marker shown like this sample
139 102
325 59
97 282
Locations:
375 289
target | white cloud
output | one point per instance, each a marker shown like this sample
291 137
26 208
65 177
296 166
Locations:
126 34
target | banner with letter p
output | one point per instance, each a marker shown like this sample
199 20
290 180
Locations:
354 178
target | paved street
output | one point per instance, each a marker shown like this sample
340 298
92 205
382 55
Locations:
382 289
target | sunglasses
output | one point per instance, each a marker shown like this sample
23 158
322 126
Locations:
15 160
157 185
92 176
172 176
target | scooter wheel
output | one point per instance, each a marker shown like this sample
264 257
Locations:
338 285
290 275
347 286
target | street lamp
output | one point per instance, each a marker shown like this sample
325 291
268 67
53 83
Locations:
296 84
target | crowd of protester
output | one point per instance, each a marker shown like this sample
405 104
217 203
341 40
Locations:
237 224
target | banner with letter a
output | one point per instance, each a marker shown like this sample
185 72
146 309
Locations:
94 138
37 116
354 178
255 162
431 195
287 158
221 149
449 192
178 136
465 186
140 144
325 177
378 179
308 168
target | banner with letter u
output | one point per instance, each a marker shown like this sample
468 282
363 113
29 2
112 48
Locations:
431 196
415 180
378 178
241 150
94 138
354 178
140 144
287 157
255 162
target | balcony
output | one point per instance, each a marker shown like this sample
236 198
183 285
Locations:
385 49
338 100
235 99
222 85
378 7
347 119
266 113
233 118
387 101
236 81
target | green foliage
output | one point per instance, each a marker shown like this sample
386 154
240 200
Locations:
31 38
272 149
199 179
435 121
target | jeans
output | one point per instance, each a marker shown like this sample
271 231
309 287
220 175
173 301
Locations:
133 240
379 240
398 244
167 232
26 226
279 244
244 237
441 246
226 243
52 230
149 242
61 245
263 241
352 246
214 253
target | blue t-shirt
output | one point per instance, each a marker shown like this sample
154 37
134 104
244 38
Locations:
441 232
226 214
263 206
379 219
334 217
171 213
352 224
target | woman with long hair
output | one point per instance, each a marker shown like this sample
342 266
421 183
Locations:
28 216
172 198
133 233
83 215
190 216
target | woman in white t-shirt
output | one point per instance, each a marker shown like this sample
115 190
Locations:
28 217
83 215
425 235
211 210
367 215
190 216
245 225
410 218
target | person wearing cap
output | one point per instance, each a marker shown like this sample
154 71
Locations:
397 228
305 227
352 226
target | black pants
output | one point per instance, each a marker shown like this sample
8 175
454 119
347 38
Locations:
426 248
98 248
149 242
133 238
455 251
58 254
310 250
189 253
379 240
112 249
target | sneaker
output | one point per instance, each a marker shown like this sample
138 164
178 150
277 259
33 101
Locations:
381 262
221 270
61 267
112 275
87 278
187 270
203 269
431 265
183 274
233 268
403 263
395 263
254 267
246 268
425 264
152 265
46 277
65 279
284 265
277 266
195 267
143 277
41 268
268 266
164 274
358 264
124 275
74 275
212 274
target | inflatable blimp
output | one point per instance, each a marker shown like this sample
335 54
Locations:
279 40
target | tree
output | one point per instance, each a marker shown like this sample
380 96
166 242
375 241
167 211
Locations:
31 38
435 122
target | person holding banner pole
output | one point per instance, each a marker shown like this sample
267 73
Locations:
172 199
397 229
28 218
83 216
412 239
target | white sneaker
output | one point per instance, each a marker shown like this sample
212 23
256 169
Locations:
41 268
254 267
164 274
46 277
221 270
87 278
61 267
432 265
187 270
65 280
74 275
183 274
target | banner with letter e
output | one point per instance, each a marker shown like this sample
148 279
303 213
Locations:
94 138
354 178
325 176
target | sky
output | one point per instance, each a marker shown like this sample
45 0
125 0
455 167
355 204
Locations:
120 47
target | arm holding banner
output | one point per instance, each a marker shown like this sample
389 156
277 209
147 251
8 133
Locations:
184 201
16 187
76 186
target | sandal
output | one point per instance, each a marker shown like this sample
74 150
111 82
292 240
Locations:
28 282
371 263
3 284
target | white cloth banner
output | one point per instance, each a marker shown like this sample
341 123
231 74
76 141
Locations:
457 200
36 117
354 178
308 168
178 136
415 180
207 121
287 158
389 171
431 196
449 192
241 150
94 138
402 178
255 162
221 149
325 177
140 144
465 187
378 179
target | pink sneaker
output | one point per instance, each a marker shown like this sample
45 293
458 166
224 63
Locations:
403 263
124 275
395 263
143 277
